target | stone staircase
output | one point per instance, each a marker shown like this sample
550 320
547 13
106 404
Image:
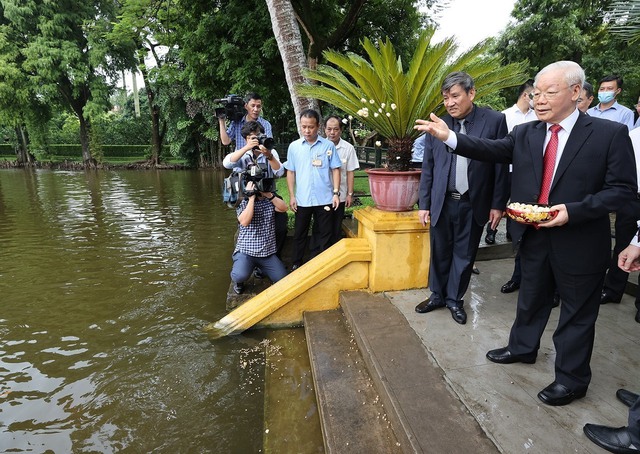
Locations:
377 388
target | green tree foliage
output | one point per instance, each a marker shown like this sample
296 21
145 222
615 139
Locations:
388 97
580 30
64 57
21 109
341 25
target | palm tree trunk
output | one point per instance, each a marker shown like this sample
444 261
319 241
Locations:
287 33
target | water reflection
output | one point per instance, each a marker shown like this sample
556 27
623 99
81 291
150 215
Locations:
106 279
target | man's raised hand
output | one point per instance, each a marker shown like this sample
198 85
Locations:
436 127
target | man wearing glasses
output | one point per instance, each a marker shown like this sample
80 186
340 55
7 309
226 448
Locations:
582 167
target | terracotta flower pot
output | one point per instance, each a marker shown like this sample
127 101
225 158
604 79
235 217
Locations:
394 191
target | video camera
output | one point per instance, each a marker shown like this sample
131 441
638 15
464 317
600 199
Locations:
232 107
258 174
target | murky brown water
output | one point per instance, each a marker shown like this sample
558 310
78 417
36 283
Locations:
106 279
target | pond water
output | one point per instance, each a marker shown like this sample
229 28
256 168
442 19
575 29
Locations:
106 280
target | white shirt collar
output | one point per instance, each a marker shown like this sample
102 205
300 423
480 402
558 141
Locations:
568 123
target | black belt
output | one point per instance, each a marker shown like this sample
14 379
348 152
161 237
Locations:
458 196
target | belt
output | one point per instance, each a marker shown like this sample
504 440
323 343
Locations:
458 196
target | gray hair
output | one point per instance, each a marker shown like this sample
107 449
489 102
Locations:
573 73
457 78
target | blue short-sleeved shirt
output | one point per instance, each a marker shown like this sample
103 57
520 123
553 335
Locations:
616 112
233 131
314 184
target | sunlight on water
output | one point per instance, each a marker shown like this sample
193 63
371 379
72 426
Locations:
106 280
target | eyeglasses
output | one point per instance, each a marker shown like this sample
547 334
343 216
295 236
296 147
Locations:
548 95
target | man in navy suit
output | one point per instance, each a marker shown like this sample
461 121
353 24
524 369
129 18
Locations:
592 172
459 195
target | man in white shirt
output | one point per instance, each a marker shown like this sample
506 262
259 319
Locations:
349 159
522 111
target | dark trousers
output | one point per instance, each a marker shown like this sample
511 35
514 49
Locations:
281 220
337 217
626 228
454 243
634 423
322 222
336 230
244 264
580 294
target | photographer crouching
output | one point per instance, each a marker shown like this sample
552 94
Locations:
258 151
256 244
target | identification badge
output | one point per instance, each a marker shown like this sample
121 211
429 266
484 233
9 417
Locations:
316 163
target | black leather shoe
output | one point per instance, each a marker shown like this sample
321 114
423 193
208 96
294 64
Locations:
609 438
504 356
238 287
294 267
490 237
258 274
475 270
429 305
557 394
458 314
608 297
556 300
626 397
638 316
510 287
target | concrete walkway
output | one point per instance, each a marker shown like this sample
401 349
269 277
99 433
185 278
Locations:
503 398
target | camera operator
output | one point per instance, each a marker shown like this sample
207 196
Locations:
254 152
253 106
256 244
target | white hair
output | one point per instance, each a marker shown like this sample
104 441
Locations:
573 73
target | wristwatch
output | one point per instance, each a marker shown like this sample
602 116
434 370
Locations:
350 194
273 196
336 192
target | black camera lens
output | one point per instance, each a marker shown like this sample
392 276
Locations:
268 142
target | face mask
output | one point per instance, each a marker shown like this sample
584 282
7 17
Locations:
606 96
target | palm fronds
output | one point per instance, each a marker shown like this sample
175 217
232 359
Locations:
382 95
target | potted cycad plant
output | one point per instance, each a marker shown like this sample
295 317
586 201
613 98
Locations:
388 98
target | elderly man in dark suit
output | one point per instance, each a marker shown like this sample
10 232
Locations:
583 167
459 195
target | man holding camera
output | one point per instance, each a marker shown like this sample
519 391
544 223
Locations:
253 106
258 151
313 169
256 244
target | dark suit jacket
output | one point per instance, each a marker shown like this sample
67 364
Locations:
596 175
488 182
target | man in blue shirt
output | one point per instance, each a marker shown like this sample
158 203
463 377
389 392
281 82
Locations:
313 180
253 106
608 108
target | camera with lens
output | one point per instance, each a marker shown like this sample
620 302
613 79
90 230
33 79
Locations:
232 107
258 174
266 141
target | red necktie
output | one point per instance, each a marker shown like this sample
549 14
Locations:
549 162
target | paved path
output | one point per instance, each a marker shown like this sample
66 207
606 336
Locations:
503 398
